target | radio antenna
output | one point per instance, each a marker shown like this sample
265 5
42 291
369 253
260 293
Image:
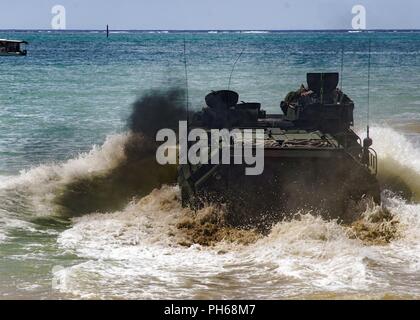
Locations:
342 69
367 142
368 93
186 81
233 67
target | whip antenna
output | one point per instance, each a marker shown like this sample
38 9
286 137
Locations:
368 93
342 69
233 67
367 142
186 81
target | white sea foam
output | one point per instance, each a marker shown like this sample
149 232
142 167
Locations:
397 157
138 252
255 32
3 236
41 183
138 248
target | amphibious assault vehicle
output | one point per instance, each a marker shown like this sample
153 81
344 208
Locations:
312 157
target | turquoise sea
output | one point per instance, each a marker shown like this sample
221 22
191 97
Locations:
63 114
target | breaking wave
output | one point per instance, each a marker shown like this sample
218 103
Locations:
40 185
154 248
146 247
399 162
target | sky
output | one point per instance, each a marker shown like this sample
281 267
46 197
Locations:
210 14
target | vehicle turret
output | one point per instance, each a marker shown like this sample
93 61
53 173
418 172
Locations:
223 111
320 105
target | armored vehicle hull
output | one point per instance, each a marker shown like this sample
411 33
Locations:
326 181
312 161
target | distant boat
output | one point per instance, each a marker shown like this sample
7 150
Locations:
13 47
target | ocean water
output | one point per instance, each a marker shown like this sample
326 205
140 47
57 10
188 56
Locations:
63 119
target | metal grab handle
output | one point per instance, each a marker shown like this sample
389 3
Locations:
373 160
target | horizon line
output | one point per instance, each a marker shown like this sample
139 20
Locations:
203 30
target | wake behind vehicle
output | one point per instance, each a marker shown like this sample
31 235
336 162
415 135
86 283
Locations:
312 158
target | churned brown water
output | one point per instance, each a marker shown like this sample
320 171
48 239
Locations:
154 248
